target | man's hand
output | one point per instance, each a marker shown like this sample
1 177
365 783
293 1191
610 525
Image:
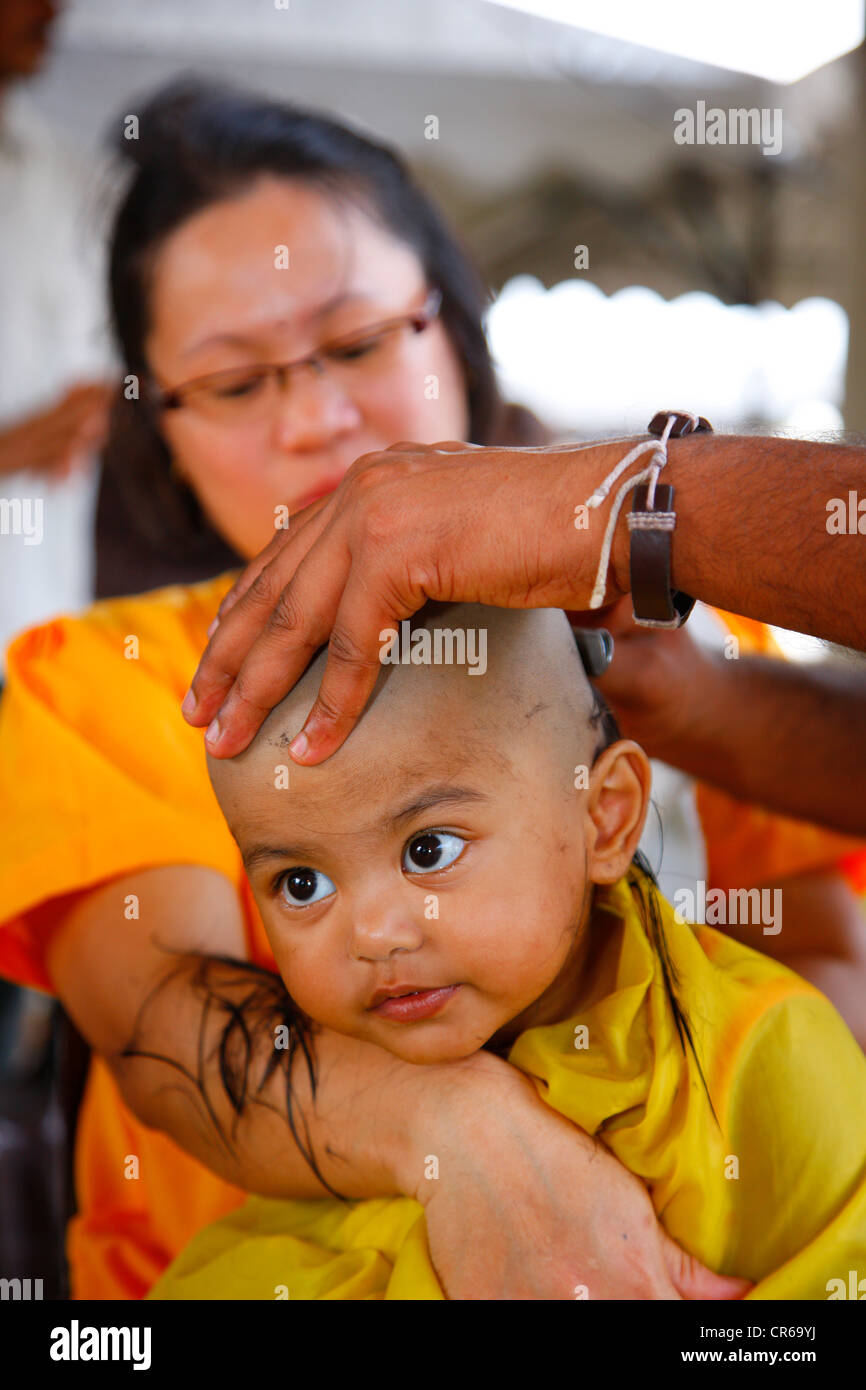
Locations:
527 1206
56 440
448 521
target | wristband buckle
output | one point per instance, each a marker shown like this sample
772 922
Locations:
651 528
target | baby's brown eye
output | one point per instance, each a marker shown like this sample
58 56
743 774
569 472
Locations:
435 849
303 886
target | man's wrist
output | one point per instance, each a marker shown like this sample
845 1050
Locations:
680 452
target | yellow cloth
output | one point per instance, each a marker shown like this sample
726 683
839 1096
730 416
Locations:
101 776
774 1192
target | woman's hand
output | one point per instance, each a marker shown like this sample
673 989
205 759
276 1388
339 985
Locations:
449 521
527 1206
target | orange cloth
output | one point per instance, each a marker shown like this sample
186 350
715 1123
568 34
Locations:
748 846
101 776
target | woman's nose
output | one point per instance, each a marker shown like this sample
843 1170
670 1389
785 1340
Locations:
312 410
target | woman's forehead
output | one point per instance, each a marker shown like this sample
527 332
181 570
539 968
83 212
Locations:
283 257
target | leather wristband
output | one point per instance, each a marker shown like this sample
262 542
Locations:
654 602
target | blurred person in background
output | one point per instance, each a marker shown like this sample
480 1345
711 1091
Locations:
54 355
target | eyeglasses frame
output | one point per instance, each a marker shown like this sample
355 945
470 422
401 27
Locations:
417 319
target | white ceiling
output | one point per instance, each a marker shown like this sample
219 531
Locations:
514 94
451 35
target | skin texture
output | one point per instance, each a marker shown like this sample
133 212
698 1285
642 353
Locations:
518 861
761 756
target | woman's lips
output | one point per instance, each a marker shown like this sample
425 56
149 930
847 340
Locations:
409 1008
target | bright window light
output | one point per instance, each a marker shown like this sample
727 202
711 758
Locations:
781 40
798 647
589 363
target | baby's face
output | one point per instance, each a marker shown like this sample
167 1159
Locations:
428 884
423 893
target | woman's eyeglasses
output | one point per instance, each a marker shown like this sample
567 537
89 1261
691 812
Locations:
244 393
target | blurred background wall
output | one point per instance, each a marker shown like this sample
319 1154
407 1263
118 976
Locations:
540 138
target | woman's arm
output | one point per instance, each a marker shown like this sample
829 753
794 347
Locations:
150 986
524 1206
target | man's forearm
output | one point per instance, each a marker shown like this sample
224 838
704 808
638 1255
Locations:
752 531
797 743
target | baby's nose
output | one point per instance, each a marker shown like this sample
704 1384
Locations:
379 931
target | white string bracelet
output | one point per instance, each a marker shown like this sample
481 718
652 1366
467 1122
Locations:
658 448
659 606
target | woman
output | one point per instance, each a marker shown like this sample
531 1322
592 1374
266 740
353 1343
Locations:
253 234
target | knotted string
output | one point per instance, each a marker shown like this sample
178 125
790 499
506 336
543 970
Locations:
659 449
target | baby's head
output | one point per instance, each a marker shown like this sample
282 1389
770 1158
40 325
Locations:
447 852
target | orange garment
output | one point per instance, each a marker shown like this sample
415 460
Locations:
747 845
101 776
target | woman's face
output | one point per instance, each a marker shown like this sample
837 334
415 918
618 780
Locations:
269 277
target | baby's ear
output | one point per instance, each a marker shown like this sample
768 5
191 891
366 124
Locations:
616 806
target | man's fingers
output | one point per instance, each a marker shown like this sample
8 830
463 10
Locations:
351 670
250 573
298 623
229 645
692 1280
239 623
276 546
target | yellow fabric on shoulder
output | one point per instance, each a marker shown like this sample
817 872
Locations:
764 1178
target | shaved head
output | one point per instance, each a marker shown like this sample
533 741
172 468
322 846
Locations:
530 686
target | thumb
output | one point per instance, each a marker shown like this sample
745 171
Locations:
694 1281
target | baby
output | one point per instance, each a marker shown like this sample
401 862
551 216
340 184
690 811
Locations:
461 874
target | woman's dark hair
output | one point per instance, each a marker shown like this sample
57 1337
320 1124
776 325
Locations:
199 143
